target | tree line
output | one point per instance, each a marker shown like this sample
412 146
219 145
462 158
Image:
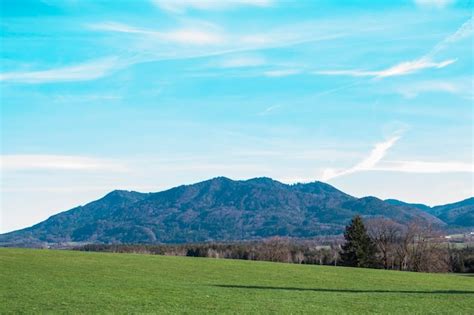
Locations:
383 243
375 243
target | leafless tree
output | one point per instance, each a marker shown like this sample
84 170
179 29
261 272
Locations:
386 234
421 249
275 249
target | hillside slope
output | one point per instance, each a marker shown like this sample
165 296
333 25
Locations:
458 214
219 209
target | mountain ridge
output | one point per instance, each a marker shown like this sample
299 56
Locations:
460 213
218 209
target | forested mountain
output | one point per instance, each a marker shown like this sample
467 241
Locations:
219 209
458 214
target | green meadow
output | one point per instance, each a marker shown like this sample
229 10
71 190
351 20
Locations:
55 281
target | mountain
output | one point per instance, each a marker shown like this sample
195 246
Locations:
459 214
219 209
414 205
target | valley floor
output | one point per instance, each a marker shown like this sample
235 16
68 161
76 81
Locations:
54 281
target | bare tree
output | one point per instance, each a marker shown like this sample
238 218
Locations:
386 234
421 249
275 249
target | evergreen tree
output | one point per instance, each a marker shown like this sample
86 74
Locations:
358 250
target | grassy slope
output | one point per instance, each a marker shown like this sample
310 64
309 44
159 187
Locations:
65 281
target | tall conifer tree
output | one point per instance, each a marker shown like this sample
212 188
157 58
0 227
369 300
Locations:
359 250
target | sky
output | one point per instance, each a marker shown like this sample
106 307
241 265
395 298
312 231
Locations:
373 97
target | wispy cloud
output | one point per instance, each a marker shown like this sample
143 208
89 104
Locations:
119 28
90 70
181 6
241 61
95 69
412 66
192 36
461 87
32 162
377 154
197 32
425 167
439 4
281 73
373 162
235 49
464 31
402 68
208 43
201 40
268 110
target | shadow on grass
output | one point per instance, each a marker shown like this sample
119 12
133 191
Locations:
342 290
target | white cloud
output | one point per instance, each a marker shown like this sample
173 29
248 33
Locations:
464 31
241 61
90 70
192 36
377 154
95 69
268 110
31 162
461 87
412 66
439 4
425 167
180 6
198 32
282 73
403 68
351 73
284 37
212 40
208 42
118 27
373 162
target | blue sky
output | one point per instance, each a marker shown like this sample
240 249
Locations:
375 98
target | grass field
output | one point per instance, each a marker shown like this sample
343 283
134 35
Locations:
35 281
